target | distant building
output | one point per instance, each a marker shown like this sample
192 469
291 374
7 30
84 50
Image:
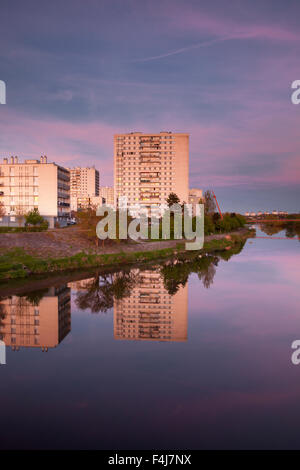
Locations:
107 195
84 184
151 313
148 167
34 184
194 196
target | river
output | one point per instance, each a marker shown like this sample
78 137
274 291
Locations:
193 355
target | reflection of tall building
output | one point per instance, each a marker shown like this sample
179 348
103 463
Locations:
36 322
150 313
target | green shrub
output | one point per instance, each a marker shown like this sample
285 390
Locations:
209 226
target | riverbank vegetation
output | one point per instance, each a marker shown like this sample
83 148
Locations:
17 263
291 228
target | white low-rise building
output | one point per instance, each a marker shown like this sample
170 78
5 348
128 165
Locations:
34 184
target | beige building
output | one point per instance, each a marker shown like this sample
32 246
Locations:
37 323
194 196
34 184
84 184
148 167
107 195
151 313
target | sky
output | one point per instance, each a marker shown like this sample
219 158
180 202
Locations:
79 71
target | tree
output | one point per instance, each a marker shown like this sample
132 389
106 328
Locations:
2 209
20 214
33 217
209 203
87 221
172 199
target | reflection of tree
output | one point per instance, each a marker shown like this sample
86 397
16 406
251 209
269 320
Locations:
292 229
176 274
270 229
2 313
235 250
36 296
100 292
207 275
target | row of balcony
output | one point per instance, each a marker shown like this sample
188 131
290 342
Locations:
63 204
62 176
63 186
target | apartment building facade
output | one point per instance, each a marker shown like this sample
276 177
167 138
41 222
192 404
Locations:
34 184
84 184
107 195
148 167
151 313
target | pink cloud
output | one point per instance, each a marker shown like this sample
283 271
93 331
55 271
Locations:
31 137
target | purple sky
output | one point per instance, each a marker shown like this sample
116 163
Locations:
79 71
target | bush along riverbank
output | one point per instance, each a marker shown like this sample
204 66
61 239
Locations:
17 264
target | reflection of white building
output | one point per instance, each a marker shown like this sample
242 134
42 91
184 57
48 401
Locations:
151 313
43 323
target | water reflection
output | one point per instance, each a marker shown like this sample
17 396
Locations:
216 375
147 304
291 229
151 312
41 319
98 293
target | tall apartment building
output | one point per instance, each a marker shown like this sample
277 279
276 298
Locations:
31 324
148 167
34 184
151 313
84 184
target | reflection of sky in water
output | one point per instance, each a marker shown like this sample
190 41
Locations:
232 384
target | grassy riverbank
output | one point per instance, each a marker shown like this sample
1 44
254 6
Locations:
17 263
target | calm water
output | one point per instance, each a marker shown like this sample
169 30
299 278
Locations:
195 357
